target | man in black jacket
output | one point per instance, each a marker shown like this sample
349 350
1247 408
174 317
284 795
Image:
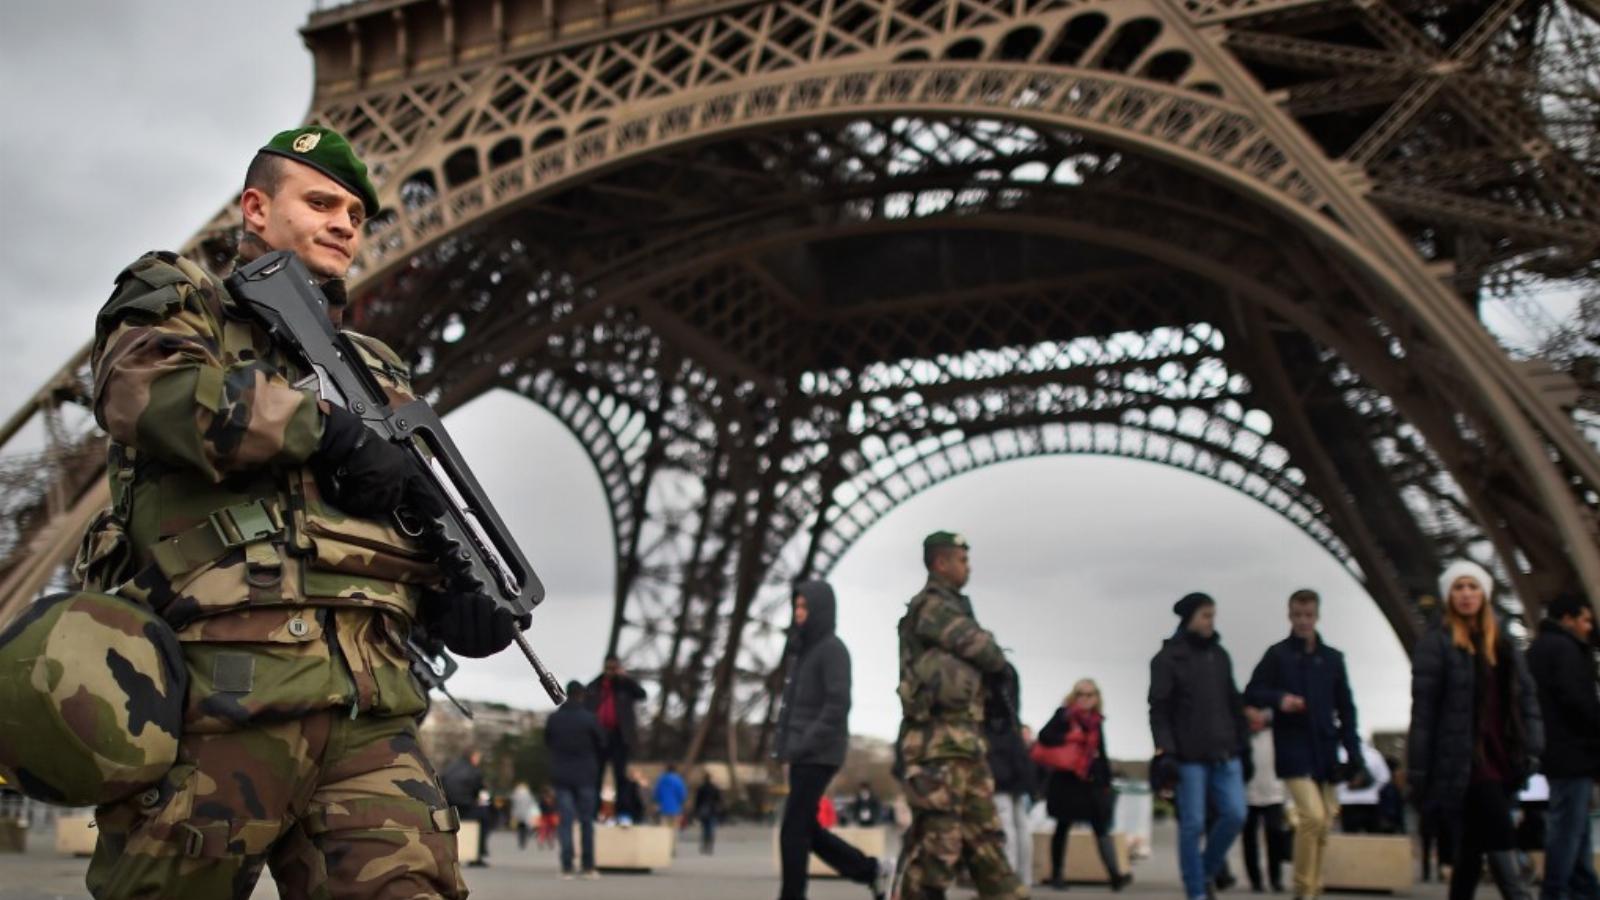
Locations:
1197 717
1562 664
612 697
813 736
573 737
1304 682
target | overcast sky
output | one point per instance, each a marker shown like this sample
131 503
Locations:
125 129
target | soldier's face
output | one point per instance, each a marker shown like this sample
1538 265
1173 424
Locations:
311 214
956 566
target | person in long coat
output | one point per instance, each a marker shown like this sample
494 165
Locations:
1079 789
1476 732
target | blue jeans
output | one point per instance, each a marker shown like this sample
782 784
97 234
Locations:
1221 786
576 803
1568 845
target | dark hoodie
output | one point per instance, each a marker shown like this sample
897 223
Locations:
813 726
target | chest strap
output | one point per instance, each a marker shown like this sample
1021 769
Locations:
224 529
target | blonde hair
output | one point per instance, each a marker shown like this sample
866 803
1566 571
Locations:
1099 698
1461 628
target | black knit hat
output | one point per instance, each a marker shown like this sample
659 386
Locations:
1191 604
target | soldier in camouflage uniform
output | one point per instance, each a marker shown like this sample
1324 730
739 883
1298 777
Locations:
256 520
944 658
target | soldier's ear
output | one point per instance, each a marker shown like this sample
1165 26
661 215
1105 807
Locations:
254 206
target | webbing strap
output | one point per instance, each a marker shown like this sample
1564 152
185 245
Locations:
222 530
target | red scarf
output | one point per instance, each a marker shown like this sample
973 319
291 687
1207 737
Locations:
1081 748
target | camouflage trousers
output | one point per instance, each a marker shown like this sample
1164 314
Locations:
337 807
954 825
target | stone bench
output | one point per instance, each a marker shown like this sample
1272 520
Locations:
871 840
75 835
467 841
638 848
1367 862
1083 857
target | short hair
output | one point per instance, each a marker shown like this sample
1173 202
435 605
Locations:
265 174
1566 603
1305 595
930 555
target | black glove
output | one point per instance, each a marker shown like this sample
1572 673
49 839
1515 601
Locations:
470 625
359 472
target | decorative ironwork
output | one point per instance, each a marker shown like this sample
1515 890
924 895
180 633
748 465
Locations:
782 265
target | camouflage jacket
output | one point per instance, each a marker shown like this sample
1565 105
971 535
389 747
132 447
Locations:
944 655
284 603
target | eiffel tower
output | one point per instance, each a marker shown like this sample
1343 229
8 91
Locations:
782 265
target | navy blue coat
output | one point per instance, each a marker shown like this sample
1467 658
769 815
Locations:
1307 743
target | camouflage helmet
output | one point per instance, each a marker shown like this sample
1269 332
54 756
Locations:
91 699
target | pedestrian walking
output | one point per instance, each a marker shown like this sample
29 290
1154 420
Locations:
1304 682
812 738
1562 663
944 657
462 780
613 696
1475 730
1013 770
670 795
522 813
1197 719
1072 746
1264 798
707 809
575 742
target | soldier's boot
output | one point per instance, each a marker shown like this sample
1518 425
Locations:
1108 856
1507 875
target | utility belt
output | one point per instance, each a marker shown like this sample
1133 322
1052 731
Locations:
253 525
236 557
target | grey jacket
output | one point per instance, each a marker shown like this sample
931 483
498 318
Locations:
814 723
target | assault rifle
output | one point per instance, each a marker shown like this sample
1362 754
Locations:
472 546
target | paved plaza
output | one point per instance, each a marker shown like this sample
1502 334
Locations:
742 869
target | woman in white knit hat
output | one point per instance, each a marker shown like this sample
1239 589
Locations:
1476 734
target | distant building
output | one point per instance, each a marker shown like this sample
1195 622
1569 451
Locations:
445 733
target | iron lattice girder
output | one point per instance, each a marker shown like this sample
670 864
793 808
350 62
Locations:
733 118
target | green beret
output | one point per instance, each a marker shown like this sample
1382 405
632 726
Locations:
943 539
328 152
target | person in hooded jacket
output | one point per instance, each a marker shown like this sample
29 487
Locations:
1080 789
1197 718
813 735
1476 732
1013 771
574 740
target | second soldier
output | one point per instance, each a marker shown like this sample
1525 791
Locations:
944 658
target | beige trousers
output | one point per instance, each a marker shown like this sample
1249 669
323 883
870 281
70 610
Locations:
1315 807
